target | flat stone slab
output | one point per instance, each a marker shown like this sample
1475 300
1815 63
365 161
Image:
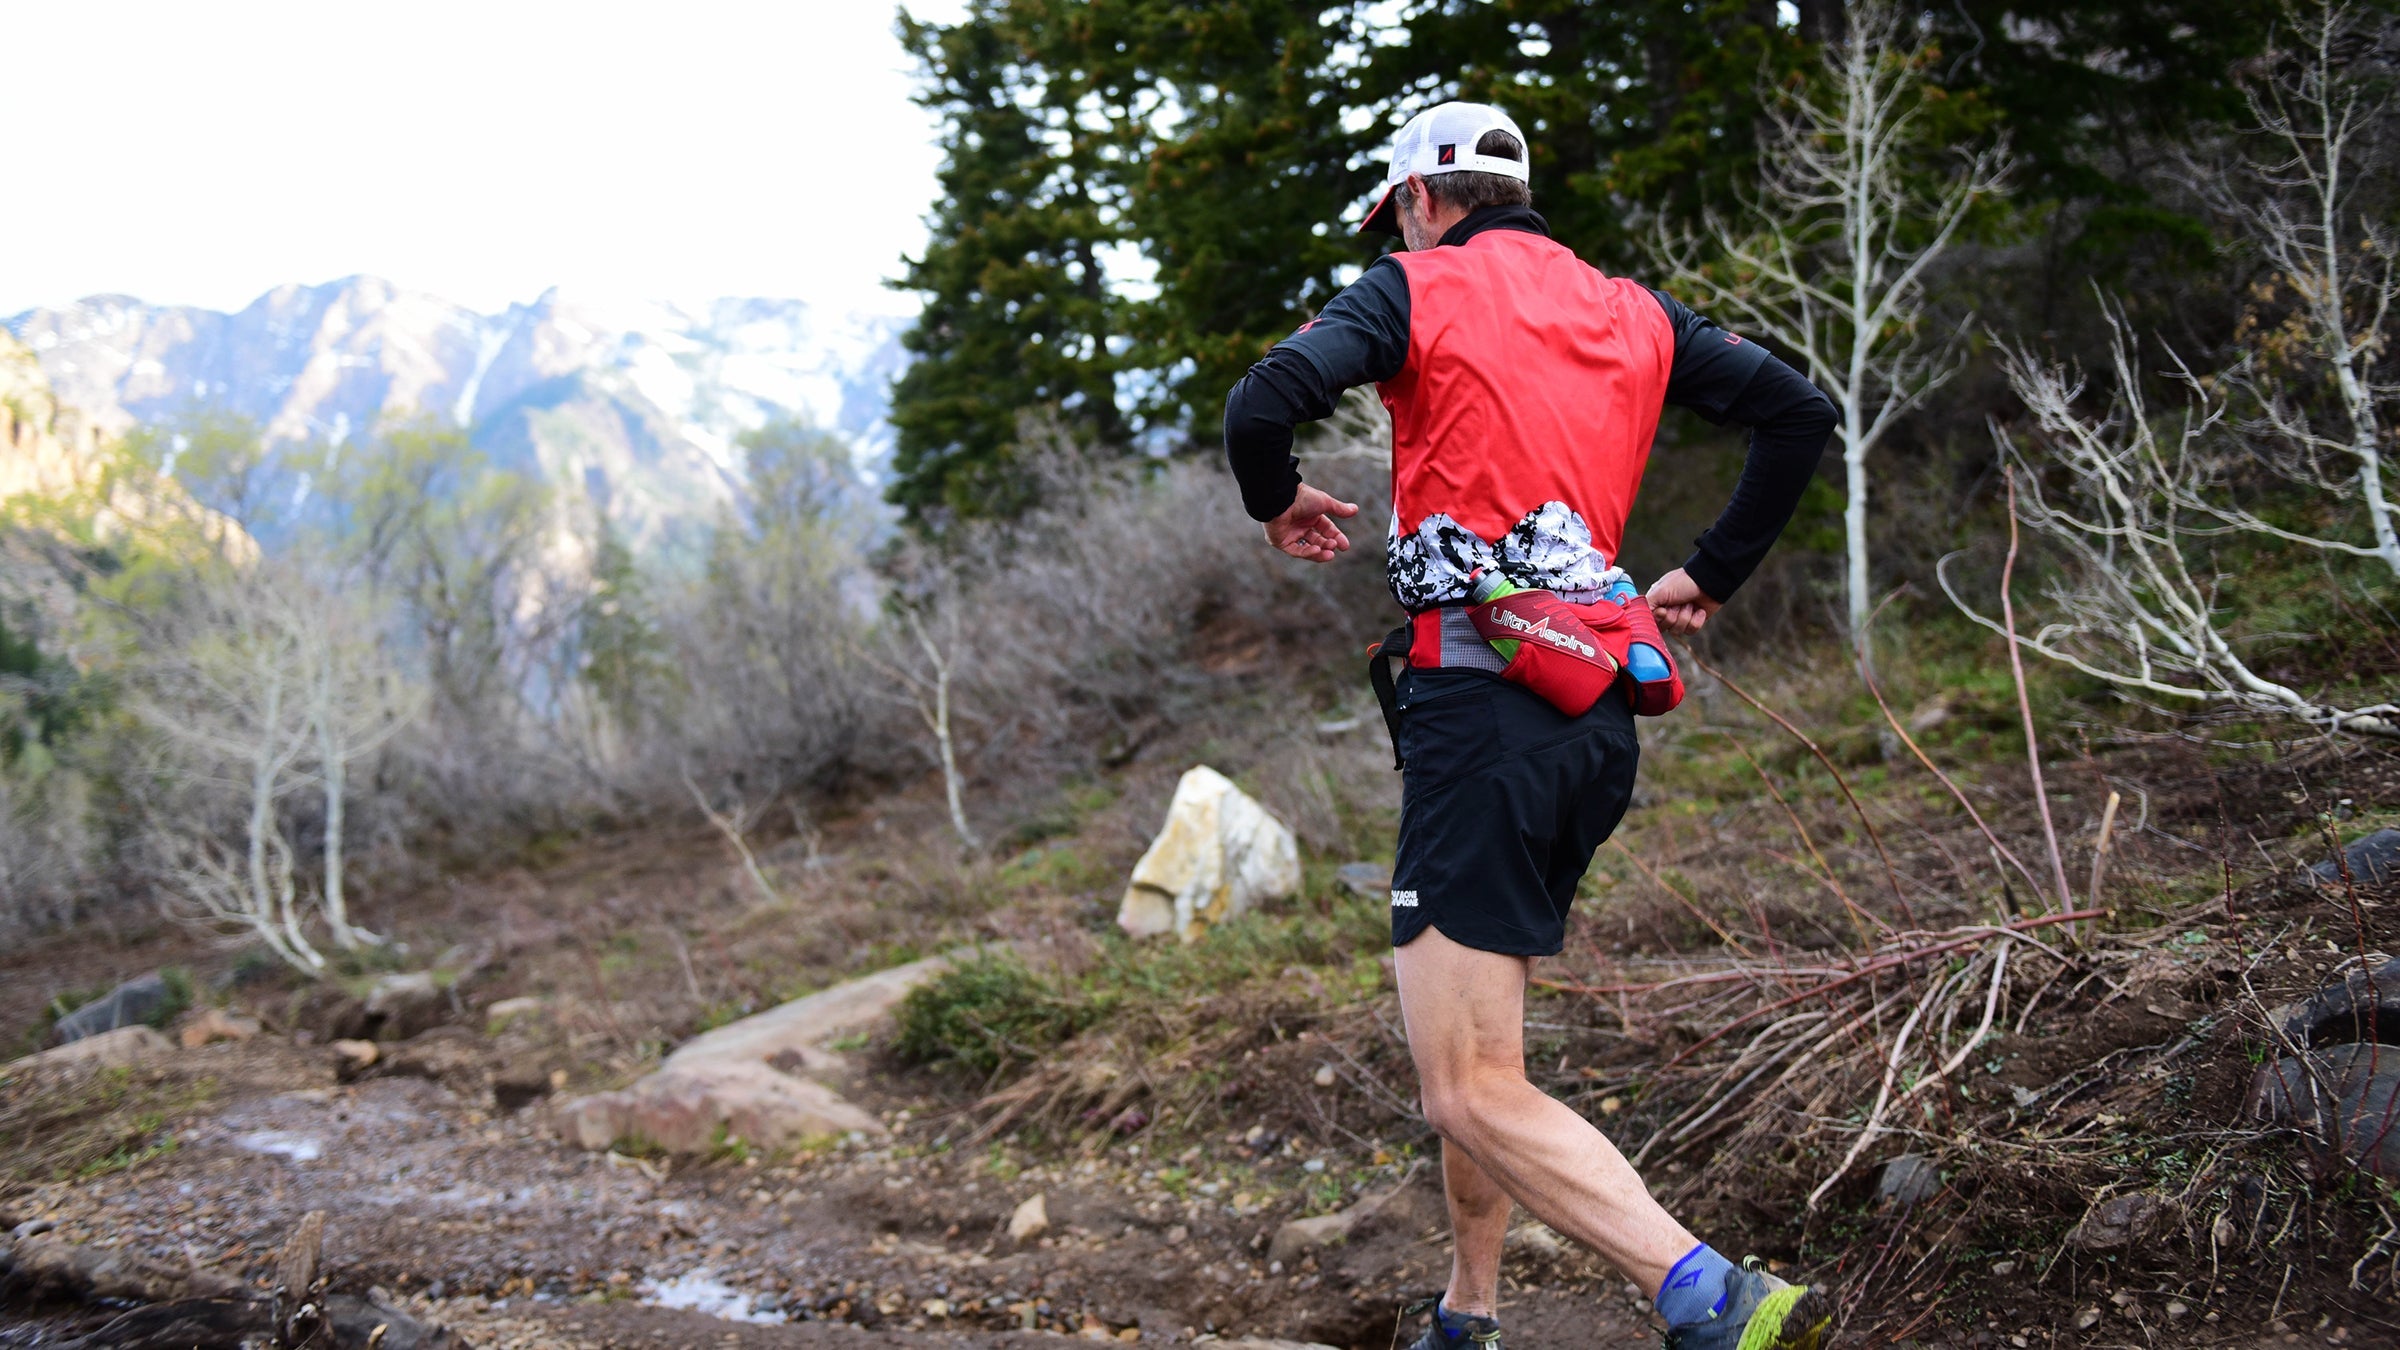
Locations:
759 1080
107 1050
802 1026
694 1109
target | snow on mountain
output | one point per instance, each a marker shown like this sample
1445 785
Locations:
634 409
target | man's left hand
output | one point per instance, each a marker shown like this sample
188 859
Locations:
1679 605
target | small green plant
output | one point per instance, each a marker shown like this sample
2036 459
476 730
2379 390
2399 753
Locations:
130 1156
985 1012
727 1147
179 996
67 1001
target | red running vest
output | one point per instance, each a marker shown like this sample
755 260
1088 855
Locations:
1532 378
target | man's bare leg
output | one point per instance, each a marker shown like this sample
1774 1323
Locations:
1478 1229
1465 1012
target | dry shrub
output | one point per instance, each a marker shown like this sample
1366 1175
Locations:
1136 598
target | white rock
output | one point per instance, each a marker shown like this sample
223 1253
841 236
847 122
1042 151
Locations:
1031 1220
510 1009
1218 855
1299 1237
1537 1240
108 1050
800 1027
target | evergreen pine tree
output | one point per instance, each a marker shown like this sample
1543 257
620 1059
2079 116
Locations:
1018 314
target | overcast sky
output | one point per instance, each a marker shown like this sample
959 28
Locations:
203 153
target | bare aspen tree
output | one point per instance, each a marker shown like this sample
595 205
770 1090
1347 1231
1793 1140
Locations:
1831 255
355 705
235 703
281 689
2302 189
926 665
734 823
2138 602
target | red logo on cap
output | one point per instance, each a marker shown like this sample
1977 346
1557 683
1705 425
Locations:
1447 154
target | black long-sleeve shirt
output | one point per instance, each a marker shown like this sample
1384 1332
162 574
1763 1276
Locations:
1361 337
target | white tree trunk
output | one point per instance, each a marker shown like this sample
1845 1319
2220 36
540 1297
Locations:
334 772
1854 535
937 718
1831 257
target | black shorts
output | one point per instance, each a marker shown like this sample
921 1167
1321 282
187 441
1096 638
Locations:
1503 801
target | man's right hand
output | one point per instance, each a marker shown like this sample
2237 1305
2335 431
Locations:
1679 605
1306 529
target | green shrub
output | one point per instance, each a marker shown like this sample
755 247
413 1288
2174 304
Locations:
987 1012
179 996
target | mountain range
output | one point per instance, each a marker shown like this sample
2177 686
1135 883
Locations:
633 410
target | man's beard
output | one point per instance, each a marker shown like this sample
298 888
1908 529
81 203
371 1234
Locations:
1416 235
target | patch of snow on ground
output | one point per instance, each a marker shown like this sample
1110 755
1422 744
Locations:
300 1148
700 1292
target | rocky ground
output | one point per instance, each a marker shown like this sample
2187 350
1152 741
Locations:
2098 1178
487 1224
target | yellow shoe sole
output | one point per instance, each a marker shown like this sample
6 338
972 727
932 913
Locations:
1795 1317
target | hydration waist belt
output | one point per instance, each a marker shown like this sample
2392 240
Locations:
1449 638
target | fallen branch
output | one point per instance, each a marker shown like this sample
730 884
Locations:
1886 963
43 1266
1874 1124
191 1307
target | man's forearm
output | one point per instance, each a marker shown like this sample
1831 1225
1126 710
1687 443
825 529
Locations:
1791 420
1278 394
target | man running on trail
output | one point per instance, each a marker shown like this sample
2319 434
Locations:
1524 388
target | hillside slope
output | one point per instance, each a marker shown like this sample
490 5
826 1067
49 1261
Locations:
52 452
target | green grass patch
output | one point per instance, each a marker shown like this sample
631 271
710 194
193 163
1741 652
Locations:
995 1011
63 1128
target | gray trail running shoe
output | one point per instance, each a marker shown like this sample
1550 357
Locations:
1761 1313
1477 1333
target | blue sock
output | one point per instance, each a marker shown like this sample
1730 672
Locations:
1695 1287
1453 1325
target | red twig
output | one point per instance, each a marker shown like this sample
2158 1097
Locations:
1889 871
1961 797
1680 898
2016 670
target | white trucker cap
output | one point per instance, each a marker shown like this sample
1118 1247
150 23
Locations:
1442 139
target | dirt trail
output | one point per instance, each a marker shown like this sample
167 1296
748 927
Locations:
495 1228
